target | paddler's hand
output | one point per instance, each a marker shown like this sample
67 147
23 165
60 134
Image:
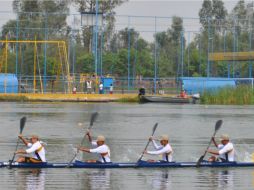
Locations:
145 152
20 136
78 147
88 133
150 138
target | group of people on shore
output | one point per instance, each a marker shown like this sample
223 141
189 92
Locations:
225 150
90 88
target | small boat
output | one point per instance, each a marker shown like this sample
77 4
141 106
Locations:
168 99
141 164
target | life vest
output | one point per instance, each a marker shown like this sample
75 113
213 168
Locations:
37 152
105 154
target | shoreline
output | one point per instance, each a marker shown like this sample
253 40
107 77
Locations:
27 97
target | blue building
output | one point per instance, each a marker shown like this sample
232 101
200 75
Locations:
194 85
8 83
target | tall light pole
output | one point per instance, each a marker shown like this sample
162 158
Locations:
96 36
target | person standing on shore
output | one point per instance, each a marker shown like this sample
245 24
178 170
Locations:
101 88
74 90
89 86
111 89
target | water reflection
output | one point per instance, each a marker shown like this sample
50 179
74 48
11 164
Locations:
96 179
161 180
225 179
31 179
217 178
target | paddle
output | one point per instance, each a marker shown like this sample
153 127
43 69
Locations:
217 127
154 128
21 127
92 120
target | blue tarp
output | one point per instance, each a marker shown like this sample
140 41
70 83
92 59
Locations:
8 83
107 82
194 85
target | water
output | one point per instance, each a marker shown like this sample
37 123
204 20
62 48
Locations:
126 127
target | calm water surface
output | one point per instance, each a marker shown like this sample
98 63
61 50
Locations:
127 127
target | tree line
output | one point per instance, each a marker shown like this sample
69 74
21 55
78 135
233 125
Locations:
47 20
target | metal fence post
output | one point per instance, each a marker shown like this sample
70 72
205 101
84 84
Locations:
129 49
155 55
17 44
45 54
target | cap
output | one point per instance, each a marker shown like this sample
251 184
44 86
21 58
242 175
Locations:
34 137
224 137
101 138
163 138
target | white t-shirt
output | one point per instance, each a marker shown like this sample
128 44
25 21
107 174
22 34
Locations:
165 151
103 149
111 88
89 84
101 86
34 147
229 149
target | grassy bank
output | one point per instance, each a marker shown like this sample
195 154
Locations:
13 98
69 97
241 95
130 99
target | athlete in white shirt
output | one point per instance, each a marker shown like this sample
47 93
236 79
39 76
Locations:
101 88
89 86
226 152
164 149
35 148
100 148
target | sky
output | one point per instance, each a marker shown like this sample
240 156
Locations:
145 10
182 8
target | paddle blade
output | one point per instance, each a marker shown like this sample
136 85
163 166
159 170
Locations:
154 128
93 118
200 160
22 124
218 125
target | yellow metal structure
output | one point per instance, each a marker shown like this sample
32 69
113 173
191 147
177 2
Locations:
232 56
63 56
35 53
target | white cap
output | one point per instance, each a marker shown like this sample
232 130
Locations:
224 137
101 138
163 138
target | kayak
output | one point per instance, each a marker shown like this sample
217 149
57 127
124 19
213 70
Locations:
141 164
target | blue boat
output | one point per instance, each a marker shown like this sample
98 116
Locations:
141 164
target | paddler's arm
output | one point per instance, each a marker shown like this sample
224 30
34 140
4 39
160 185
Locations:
214 142
88 134
20 152
23 139
213 152
84 149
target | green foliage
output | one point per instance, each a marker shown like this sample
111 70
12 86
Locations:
85 63
241 95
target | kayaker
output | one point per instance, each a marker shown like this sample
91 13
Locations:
100 148
35 148
164 149
226 150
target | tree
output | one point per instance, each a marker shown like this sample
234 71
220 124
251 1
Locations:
105 7
218 10
212 12
51 14
205 12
